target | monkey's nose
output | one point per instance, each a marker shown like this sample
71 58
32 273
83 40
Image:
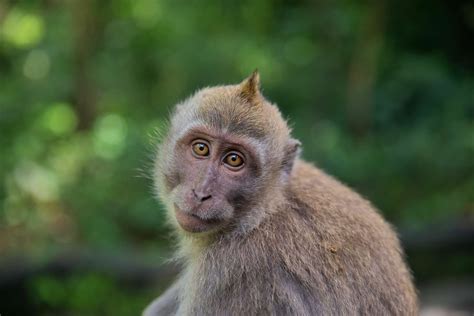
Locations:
201 197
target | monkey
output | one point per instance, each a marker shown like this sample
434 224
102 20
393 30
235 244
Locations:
259 230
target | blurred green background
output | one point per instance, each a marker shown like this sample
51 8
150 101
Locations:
381 94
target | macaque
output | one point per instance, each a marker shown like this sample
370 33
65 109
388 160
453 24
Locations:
262 232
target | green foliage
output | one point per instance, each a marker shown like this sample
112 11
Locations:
87 294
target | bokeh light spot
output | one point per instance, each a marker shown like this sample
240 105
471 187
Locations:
60 119
146 12
23 29
36 65
110 133
37 180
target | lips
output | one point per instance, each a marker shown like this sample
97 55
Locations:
192 222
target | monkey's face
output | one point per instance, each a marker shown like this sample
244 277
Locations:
227 148
214 175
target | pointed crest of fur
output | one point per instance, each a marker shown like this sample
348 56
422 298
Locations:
250 87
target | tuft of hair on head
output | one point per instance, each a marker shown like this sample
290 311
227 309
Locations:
250 88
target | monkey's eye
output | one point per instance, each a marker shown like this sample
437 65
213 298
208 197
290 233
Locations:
234 160
201 149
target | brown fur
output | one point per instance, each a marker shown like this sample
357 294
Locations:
303 243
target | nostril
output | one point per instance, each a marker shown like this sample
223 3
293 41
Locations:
201 197
205 198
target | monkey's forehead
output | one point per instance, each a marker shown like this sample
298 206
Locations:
222 108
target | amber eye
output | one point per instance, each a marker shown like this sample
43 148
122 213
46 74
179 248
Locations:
233 160
201 149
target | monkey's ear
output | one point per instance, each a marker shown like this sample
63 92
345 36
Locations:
250 87
292 151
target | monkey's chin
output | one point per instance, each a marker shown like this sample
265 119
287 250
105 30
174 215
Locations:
194 224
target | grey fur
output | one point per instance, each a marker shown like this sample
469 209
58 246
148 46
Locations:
305 244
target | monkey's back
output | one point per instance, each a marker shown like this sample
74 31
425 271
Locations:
336 245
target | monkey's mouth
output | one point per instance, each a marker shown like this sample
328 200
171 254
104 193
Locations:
193 223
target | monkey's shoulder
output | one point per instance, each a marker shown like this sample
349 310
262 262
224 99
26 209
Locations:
319 193
316 187
332 211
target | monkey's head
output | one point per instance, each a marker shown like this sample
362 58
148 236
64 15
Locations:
227 150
